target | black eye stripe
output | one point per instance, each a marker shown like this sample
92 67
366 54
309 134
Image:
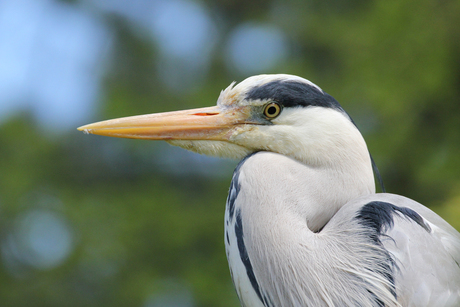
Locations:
292 94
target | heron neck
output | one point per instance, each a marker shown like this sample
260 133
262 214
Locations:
280 205
293 192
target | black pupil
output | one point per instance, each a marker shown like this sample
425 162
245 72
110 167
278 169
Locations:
271 110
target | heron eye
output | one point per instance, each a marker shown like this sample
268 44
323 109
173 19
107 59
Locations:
272 110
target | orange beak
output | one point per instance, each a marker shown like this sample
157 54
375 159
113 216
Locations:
213 123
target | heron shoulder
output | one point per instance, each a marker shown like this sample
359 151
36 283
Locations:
424 250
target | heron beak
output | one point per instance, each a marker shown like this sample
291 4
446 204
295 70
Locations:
212 123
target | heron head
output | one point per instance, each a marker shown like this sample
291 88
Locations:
279 113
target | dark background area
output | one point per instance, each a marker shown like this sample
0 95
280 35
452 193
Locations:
94 221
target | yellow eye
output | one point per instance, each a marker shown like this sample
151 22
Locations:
272 110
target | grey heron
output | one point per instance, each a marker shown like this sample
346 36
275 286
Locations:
303 223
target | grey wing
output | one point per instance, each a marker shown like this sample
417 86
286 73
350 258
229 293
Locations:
426 251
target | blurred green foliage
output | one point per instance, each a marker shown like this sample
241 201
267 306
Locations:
141 231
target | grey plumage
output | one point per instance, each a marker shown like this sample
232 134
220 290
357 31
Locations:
347 262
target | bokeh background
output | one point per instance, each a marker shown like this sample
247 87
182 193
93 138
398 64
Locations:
94 221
